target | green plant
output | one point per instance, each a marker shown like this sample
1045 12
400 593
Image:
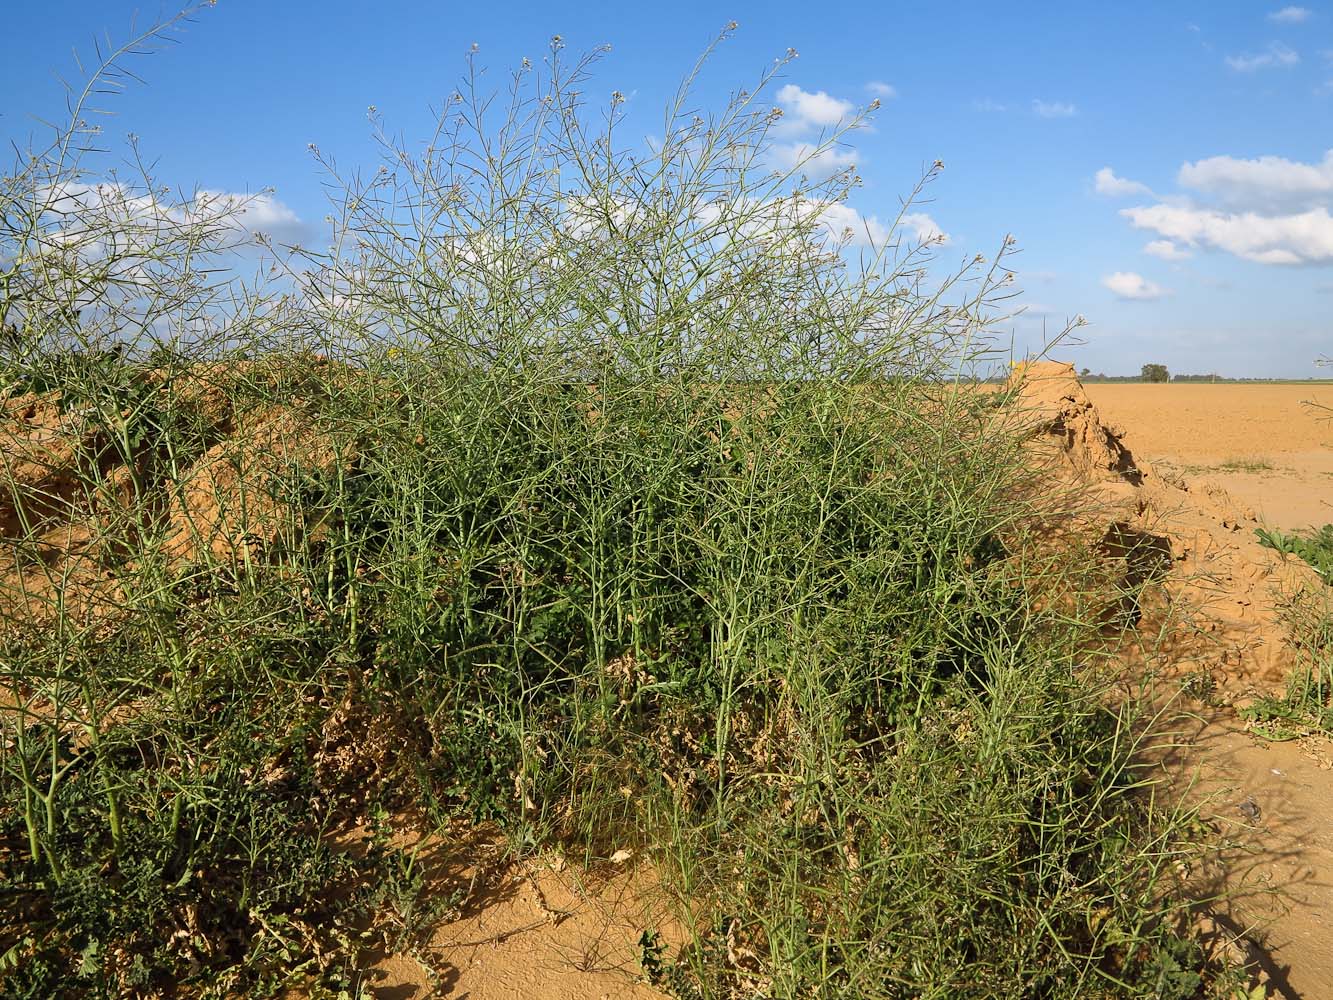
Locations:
1307 704
1252 465
590 490
1315 546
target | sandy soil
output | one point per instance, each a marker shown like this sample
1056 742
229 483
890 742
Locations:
1264 444
1273 804
535 928
1170 463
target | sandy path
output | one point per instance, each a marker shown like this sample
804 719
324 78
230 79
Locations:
1273 802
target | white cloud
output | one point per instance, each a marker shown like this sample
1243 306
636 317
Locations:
119 212
1267 209
843 222
1290 15
806 112
1265 180
1128 285
805 115
1053 109
1276 54
835 222
1295 238
98 241
987 105
1109 184
924 227
1166 250
255 213
810 159
886 91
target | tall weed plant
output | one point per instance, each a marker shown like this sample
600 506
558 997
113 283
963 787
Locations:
607 493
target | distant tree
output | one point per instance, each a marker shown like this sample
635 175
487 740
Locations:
1155 373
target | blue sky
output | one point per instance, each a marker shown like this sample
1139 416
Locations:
1167 169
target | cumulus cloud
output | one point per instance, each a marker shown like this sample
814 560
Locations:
804 111
108 242
834 222
987 105
1266 209
1166 250
843 222
1108 183
255 213
882 90
1275 55
1290 15
1053 109
100 216
262 211
804 116
1128 285
924 227
1262 181
810 159
1296 238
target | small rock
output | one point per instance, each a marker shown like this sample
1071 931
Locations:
1250 809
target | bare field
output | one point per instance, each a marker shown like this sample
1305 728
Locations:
1254 453
1268 446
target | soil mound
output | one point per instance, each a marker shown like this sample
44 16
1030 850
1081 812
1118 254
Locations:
1069 425
1219 611
82 490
